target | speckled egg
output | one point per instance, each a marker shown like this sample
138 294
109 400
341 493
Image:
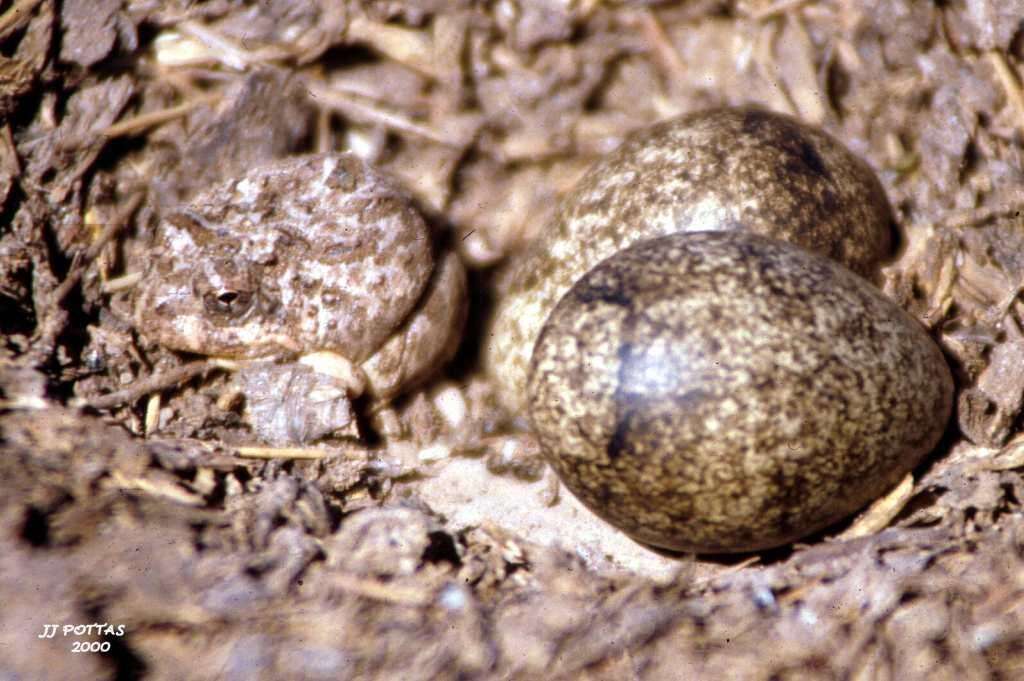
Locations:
725 392
722 169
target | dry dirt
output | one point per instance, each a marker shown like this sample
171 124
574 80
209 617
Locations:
134 500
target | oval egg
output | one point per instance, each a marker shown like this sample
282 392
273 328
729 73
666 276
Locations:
716 170
725 392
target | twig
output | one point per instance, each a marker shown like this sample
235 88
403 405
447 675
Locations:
1009 81
148 120
224 50
664 49
10 152
152 419
348 106
979 216
52 317
122 283
780 7
16 17
281 453
377 590
878 516
157 489
92 252
153 383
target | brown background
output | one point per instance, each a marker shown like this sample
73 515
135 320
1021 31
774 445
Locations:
225 566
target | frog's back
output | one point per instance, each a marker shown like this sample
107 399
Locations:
333 254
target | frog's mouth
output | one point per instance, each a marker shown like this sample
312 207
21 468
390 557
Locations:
248 338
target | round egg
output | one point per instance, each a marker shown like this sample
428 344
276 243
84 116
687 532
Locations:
726 392
721 169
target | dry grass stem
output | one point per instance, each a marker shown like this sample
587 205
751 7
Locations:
1010 81
256 452
145 386
142 122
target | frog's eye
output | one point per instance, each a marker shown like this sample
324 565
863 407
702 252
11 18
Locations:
228 302
226 286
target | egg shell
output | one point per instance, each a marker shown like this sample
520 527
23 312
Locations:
719 169
725 392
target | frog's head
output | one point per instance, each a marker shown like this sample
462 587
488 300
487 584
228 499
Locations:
205 292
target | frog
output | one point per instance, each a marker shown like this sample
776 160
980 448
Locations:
318 277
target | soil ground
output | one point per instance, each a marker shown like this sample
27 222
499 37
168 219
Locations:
135 506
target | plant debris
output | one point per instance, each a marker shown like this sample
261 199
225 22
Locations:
139 510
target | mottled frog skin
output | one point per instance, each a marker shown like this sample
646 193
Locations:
311 254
